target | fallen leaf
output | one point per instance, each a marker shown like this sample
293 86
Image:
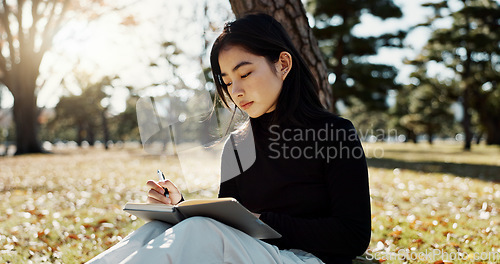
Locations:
73 236
396 233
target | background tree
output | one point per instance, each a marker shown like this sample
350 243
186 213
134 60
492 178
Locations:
292 15
370 125
424 106
20 59
83 117
470 48
346 54
27 28
124 126
428 111
400 109
5 124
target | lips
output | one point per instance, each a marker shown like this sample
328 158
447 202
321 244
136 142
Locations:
246 105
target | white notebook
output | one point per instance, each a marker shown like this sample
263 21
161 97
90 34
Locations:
225 210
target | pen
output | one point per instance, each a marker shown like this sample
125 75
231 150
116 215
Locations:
161 177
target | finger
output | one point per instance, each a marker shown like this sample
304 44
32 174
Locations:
172 188
155 186
174 193
159 197
154 201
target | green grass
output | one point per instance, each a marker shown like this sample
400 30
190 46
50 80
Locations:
66 207
437 200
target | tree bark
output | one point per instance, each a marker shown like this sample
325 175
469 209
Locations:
25 118
292 15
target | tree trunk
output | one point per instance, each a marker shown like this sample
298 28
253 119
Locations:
430 134
466 122
478 138
411 136
292 15
466 103
488 118
90 134
80 134
25 118
105 128
493 132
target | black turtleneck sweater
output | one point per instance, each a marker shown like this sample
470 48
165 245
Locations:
309 184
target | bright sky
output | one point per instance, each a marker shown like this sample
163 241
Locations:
105 47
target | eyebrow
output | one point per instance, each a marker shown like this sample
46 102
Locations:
237 66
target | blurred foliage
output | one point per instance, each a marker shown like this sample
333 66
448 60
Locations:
368 123
124 126
470 48
345 53
81 117
423 107
399 110
429 111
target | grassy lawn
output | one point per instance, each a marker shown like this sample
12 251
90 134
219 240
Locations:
66 207
434 204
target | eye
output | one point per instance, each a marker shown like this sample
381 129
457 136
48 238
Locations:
228 84
246 75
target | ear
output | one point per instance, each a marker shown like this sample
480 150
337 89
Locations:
284 64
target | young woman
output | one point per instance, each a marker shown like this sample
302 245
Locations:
309 180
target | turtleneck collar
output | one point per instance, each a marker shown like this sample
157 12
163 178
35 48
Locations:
265 116
261 125
264 120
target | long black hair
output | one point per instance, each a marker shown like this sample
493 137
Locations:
262 35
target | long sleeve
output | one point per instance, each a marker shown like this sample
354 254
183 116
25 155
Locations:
309 184
228 185
347 230
228 189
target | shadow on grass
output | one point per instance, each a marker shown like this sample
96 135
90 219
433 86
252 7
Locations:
475 171
457 152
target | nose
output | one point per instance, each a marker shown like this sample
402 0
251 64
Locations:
237 90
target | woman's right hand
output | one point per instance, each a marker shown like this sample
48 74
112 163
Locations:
156 193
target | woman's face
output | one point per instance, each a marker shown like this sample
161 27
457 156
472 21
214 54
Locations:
252 83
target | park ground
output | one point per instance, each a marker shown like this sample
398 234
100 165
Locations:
430 203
